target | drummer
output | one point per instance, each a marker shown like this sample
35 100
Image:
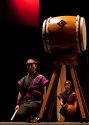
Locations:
69 103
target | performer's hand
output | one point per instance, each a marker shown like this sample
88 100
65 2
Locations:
62 104
36 93
71 109
17 107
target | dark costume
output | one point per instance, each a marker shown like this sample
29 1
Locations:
32 91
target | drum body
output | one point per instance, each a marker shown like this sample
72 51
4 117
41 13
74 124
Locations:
63 33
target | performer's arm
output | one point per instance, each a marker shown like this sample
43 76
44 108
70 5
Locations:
61 102
18 100
44 92
75 103
75 100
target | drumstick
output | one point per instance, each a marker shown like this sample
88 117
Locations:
13 115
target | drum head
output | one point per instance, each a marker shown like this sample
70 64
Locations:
83 34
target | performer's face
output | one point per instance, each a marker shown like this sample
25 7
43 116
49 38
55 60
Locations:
31 66
67 86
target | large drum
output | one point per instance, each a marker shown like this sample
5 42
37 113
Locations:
63 33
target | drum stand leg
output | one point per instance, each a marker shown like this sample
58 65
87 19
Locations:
50 87
57 79
81 101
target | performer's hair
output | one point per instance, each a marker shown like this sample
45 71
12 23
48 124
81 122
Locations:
34 59
68 81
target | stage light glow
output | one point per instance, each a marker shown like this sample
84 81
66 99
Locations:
24 11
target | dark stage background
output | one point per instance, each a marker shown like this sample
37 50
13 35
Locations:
20 41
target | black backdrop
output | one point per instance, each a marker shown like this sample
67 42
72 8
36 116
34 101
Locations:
18 42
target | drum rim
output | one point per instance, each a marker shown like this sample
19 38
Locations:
79 49
45 37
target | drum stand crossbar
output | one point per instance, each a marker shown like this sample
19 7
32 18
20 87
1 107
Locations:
57 79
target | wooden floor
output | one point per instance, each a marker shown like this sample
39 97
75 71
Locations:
44 123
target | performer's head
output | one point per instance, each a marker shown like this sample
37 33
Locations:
68 85
32 64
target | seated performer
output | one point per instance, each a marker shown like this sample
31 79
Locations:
32 90
69 103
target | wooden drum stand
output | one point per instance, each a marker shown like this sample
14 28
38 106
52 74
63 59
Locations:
56 85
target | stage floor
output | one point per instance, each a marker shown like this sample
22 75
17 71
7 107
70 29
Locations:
44 123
